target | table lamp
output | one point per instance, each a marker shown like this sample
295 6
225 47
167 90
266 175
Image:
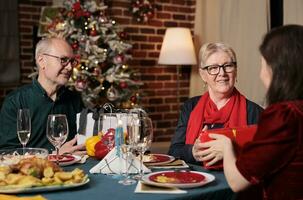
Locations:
177 49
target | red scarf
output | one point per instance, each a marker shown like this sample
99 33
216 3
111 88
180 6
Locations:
233 114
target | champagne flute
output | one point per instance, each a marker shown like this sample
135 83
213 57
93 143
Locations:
57 131
23 126
143 136
126 147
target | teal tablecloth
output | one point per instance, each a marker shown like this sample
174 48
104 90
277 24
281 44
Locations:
105 187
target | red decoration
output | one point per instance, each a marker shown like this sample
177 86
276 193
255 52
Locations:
93 32
123 35
142 10
133 99
75 45
123 84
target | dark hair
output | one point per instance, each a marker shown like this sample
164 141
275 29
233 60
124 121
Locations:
282 49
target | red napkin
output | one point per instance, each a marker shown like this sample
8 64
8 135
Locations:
239 136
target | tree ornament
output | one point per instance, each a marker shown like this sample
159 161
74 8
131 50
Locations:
97 71
93 32
123 35
112 93
133 99
75 45
119 59
123 84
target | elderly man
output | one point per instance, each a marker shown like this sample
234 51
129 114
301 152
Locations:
44 96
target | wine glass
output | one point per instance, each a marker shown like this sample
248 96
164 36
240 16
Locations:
23 126
142 136
126 148
57 131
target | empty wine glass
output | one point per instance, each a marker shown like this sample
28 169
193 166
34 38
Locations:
57 131
126 148
23 126
142 136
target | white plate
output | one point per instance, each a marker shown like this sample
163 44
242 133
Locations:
158 159
75 160
196 176
16 190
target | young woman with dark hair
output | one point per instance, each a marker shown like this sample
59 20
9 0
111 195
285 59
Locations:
274 159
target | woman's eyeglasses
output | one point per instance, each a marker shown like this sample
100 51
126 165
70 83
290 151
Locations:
65 60
215 69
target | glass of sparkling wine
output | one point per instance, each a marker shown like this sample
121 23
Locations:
23 126
57 131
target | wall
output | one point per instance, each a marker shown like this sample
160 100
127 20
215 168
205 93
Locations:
160 88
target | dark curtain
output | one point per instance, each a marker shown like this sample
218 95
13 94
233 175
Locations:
9 42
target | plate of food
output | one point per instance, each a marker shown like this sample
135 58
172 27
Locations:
38 175
64 160
179 179
156 159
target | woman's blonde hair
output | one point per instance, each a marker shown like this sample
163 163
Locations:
210 48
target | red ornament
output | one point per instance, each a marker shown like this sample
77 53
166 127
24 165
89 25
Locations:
133 99
119 59
93 32
123 84
77 6
123 35
75 45
97 71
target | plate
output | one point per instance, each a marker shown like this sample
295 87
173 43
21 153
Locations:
156 159
16 190
65 160
179 179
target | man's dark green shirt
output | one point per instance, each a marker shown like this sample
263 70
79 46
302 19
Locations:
35 98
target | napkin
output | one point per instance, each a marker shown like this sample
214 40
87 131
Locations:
112 164
143 188
176 164
13 197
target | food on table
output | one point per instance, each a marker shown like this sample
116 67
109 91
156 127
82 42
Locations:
31 172
165 179
148 158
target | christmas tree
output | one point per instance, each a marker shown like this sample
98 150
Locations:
103 74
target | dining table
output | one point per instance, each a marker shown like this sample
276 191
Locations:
104 187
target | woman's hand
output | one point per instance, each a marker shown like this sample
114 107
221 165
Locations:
196 150
214 150
70 147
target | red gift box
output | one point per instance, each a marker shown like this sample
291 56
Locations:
238 135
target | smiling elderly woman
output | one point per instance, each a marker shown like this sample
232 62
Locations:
221 106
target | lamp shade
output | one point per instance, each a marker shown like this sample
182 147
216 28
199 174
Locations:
177 48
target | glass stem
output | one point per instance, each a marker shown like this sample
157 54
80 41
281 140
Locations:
141 165
23 149
57 156
126 165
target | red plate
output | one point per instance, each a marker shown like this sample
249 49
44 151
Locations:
182 177
62 158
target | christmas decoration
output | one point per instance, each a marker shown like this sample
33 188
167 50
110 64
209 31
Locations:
102 74
142 10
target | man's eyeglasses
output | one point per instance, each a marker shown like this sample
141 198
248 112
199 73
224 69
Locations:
65 60
215 69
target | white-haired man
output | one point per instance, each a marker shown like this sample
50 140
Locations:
46 95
